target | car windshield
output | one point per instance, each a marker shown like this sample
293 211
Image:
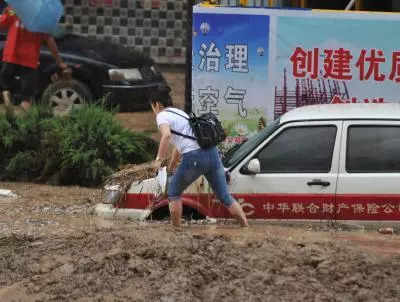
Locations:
237 152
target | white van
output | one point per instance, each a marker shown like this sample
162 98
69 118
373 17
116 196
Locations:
319 162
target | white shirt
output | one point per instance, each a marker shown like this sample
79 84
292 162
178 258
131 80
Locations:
181 125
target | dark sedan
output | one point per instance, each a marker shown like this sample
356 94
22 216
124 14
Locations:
101 71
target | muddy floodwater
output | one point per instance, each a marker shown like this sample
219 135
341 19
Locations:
52 248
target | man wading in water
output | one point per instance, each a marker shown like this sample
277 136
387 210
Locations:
195 160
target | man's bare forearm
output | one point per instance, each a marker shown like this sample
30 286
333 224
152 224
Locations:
51 44
163 148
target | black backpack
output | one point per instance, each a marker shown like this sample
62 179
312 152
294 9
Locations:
207 129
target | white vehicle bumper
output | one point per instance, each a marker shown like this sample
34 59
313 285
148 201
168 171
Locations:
109 211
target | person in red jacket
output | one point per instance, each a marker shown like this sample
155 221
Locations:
21 57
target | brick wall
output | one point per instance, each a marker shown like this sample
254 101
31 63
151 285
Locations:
156 27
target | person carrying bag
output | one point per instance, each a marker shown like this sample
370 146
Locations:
175 127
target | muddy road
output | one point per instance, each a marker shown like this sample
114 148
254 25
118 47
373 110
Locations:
52 248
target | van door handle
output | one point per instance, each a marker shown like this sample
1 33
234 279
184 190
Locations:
318 182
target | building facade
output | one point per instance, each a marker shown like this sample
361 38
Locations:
159 27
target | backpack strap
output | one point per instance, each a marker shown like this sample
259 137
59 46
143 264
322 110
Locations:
176 113
184 135
178 133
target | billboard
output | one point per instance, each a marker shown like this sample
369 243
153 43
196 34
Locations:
230 70
251 65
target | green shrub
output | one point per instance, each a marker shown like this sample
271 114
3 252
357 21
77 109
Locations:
81 148
21 142
93 145
7 139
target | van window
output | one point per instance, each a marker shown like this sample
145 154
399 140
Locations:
299 150
373 149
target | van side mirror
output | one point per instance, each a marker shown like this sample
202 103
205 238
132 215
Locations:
253 167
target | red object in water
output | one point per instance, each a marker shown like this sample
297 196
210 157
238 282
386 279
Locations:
386 231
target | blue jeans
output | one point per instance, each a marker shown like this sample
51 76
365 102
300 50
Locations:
199 162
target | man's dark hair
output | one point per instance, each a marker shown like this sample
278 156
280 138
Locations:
161 95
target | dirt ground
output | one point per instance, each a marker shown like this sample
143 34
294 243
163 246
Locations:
52 248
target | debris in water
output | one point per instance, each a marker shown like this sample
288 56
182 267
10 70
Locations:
121 181
386 231
7 193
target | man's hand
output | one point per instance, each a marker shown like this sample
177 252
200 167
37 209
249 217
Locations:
62 66
66 71
156 164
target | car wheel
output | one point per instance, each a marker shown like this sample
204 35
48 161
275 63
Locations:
188 213
63 95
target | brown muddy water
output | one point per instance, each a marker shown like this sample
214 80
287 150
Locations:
53 249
